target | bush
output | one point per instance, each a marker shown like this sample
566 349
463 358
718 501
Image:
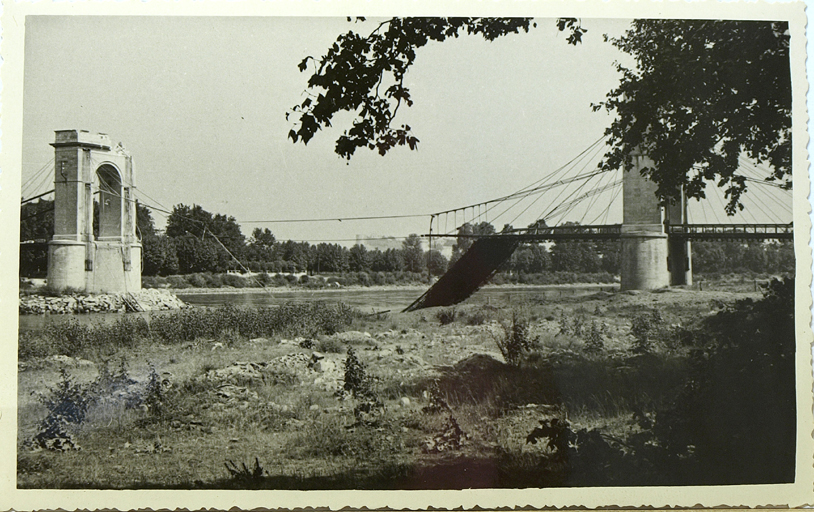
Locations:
197 280
229 322
477 317
646 329
515 341
330 345
235 281
446 315
594 341
736 418
178 282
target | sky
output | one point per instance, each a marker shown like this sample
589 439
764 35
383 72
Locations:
200 103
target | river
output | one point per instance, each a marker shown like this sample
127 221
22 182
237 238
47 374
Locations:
367 300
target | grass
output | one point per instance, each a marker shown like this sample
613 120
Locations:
228 324
293 432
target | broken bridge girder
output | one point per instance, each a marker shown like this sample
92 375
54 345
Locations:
470 272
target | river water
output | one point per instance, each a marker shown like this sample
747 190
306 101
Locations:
367 300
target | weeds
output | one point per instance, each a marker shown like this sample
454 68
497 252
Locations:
330 345
515 340
229 323
70 402
67 405
646 329
446 315
594 341
573 326
360 385
243 476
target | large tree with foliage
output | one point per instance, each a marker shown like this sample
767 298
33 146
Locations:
702 93
413 254
194 220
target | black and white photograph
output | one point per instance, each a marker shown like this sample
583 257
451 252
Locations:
552 255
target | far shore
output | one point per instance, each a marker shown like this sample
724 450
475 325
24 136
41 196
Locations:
387 287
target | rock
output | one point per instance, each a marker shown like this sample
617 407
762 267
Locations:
314 407
351 336
404 401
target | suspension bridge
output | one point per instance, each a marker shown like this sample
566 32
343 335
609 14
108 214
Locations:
577 201
656 240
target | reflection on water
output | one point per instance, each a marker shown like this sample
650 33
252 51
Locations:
364 299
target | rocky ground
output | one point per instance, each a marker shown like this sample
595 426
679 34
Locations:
142 300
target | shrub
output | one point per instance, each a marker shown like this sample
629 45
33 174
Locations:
67 405
572 326
594 341
446 315
330 345
646 329
197 280
736 417
515 340
234 281
477 317
243 476
178 282
360 385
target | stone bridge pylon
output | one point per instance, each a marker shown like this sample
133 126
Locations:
651 260
94 248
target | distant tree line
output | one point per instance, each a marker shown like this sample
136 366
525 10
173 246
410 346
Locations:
196 240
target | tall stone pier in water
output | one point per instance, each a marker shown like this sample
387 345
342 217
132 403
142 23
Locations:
93 184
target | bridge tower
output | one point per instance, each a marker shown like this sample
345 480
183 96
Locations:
644 242
93 181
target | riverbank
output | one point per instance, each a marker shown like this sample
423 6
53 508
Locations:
76 303
315 395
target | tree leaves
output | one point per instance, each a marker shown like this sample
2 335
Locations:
702 94
365 75
574 27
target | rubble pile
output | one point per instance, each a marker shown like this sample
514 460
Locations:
142 300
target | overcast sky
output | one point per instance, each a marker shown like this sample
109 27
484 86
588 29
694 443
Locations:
200 103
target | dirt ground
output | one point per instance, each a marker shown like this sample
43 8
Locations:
444 411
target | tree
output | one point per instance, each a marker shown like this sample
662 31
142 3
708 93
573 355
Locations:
437 263
36 225
196 255
468 231
703 92
413 254
388 261
296 254
365 75
37 220
198 222
531 259
158 255
329 258
358 258
261 245
144 221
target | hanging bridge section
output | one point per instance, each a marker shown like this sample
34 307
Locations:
474 268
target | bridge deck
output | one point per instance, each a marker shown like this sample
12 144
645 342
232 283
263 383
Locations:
614 232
